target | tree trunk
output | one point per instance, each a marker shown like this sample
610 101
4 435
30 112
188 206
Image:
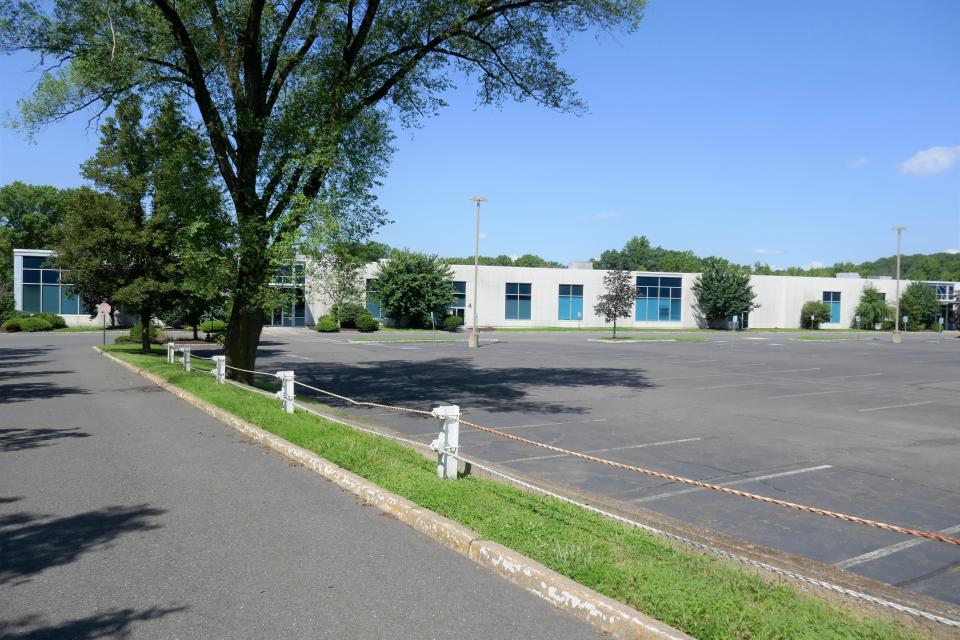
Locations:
614 328
243 336
145 314
246 316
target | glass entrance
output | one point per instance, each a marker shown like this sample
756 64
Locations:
290 313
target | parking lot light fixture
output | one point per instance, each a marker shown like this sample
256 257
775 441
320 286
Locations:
474 340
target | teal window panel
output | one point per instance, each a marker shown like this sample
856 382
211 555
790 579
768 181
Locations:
512 309
576 309
31 298
69 301
51 299
523 309
675 310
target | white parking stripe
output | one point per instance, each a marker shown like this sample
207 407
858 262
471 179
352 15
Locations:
631 446
741 384
760 373
547 424
803 395
896 406
855 375
886 551
782 474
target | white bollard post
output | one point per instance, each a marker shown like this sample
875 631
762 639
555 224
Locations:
448 442
186 358
286 390
220 362
171 350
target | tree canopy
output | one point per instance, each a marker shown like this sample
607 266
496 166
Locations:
618 297
411 286
296 98
526 260
919 303
723 290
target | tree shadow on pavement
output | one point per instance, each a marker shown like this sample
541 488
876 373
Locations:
115 623
452 380
10 358
24 391
17 439
31 543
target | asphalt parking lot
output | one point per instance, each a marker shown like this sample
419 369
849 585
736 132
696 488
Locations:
862 427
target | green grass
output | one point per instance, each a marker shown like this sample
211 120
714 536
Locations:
706 597
89 329
654 339
408 339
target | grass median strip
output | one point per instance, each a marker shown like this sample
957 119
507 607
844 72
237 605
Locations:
703 596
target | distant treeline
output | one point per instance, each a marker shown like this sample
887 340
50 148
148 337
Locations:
639 255
526 260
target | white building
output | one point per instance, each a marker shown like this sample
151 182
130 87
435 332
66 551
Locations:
522 296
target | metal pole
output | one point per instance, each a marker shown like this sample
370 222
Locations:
474 340
896 316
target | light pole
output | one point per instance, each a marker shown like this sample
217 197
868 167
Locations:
896 316
474 340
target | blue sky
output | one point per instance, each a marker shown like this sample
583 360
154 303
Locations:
792 133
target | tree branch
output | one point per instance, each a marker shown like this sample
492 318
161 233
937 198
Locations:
211 117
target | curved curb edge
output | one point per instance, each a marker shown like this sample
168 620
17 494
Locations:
609 616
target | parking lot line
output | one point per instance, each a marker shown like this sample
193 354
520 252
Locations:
854 375
886 551
548 424
896 406
740 384
630 446
802 395
770 476
760 373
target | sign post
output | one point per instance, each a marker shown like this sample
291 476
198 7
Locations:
858 328
104 309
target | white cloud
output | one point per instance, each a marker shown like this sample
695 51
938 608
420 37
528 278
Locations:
483 236
931 161
514 257
858 163
606 215
952 251
766 252
816 264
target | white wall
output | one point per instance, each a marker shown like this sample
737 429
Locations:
780 297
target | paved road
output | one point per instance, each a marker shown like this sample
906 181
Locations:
867 428
125 513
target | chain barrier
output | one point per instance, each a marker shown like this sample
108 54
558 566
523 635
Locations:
657 474
713 550
929 535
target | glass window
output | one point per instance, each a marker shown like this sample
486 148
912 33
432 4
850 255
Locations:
518 295
69 300
33 262
832 298
373 305
31 275
51 276
51 299
658 299
571 302
460 298
31 298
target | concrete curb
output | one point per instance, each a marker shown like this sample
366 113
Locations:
609 616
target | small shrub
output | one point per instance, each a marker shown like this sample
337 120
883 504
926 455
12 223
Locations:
452 323
347 312
13 324
820 312
121 340
56 321
213 326
220 339
35 324
156 333
328 324
367 323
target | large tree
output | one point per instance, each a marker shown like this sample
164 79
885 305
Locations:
723 290
414 288
919 303
296 96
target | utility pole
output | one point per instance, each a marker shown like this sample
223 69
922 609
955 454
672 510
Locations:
474 340
896 316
